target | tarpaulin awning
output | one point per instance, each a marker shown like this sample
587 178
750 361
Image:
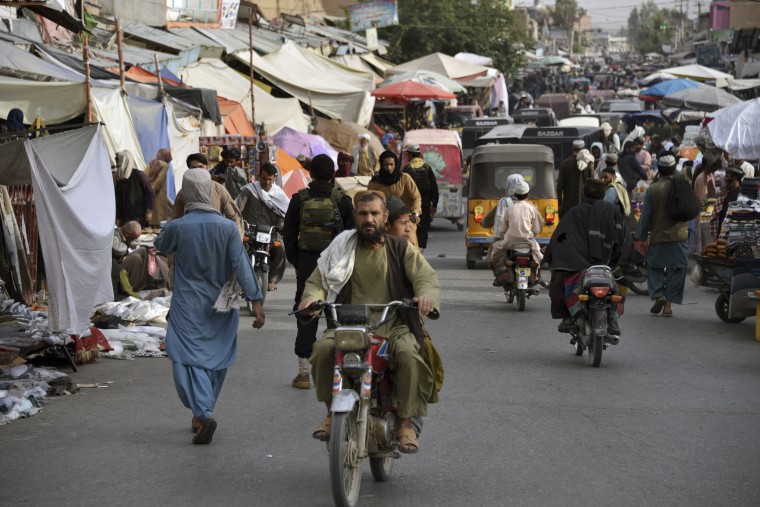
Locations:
141 75
328 87
111 109
344 135
235 120
442 64
150 123
27 65
697 72
275 113
54 102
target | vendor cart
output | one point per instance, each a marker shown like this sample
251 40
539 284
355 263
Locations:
716 272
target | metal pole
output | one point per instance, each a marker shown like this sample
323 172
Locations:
250 67
119 42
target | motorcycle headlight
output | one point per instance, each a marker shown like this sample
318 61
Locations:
263 237
350 340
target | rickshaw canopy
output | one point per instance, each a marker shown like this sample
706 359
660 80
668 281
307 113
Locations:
441 149
492 163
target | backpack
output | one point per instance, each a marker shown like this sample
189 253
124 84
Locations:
684 205
320 220
421 178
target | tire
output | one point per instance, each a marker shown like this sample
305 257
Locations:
262 279
640 288
520 300
578 348
381 468
595 348
470 264
544 275
345 472
721 308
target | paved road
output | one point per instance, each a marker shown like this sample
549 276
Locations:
670 418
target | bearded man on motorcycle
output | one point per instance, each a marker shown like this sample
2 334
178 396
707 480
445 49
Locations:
367 266
591 233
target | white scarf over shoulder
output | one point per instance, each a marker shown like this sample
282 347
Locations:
336 263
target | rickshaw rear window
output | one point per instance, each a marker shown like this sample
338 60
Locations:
493 184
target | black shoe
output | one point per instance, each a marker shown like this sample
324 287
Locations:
613 328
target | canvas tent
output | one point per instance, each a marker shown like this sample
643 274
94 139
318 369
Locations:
74 199
441 63
273 112
333 89
697 72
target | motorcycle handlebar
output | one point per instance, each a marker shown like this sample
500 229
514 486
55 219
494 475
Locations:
404 303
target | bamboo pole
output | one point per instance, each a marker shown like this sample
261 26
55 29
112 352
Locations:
158 72
120 47
88 114
250 67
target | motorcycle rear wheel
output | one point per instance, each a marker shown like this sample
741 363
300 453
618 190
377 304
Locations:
595 348
520 300
381 468
345 465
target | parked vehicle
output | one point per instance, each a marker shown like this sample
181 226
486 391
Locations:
540 117
503 134
363 416
560 103
560 139
474 129
491 164
258 240
442 150
456 117
591 322
621 106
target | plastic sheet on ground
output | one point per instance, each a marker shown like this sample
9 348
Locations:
24 390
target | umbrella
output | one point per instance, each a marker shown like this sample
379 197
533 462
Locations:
698 72
705 98
426 77
297 143
657 77
656 92
409 90
294 181
734 129
683 116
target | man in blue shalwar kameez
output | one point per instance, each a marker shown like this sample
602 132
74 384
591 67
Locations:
201 339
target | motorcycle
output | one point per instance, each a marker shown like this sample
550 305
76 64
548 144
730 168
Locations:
590 329
363 416
516 280
258 240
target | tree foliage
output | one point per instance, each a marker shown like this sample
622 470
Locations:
649 27
564 14
485 27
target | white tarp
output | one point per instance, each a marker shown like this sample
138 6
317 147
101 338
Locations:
329 87
111 108
273 112
697 72
75 223
442 64
13 58
53 102
184 138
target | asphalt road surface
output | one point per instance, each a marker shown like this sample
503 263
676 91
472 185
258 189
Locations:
670 418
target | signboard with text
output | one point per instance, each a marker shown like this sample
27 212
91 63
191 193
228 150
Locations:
373 15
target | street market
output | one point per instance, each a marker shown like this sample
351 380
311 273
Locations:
171 175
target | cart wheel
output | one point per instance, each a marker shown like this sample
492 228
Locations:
721 308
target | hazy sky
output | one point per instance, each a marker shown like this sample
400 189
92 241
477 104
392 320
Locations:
611 15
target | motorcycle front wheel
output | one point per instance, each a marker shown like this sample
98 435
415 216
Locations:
381 468
262 278
520 300
345 465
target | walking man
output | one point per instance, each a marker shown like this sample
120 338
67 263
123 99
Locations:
663 241
201 338
423 176
314 217
573 173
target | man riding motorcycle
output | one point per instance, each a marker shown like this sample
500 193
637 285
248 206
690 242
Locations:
591 233
348 272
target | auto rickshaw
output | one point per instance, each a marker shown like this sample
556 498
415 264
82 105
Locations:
442 150
491 164
560 139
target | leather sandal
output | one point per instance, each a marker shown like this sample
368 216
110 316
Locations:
322 433
196 424
407 440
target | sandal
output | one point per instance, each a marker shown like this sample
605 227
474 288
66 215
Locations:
196 424
206 432
407 440
271 287
322 433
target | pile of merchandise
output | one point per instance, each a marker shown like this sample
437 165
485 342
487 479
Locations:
24 390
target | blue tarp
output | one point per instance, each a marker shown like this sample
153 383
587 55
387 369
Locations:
151 126
665 88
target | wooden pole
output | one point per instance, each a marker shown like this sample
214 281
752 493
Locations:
119 45
88 114
160 79
250 68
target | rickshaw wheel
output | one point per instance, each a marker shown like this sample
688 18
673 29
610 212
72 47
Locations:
721 308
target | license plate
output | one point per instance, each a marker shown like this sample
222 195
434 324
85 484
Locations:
523 272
